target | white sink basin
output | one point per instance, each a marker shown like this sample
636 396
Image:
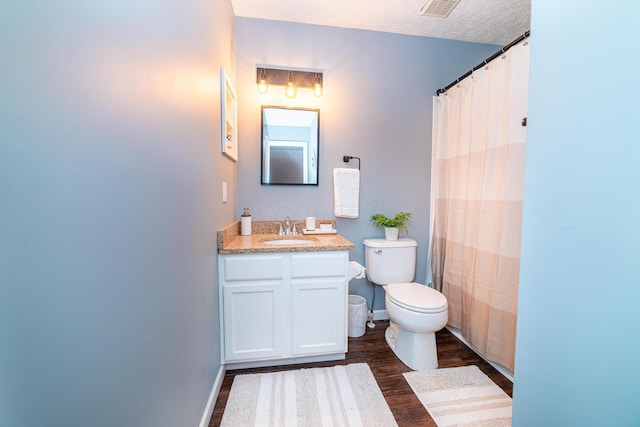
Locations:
287 241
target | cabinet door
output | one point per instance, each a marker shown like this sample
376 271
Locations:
253 323
318 322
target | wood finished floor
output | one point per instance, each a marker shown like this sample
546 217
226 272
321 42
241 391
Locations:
387 370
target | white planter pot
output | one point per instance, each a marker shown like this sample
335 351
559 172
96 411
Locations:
391 233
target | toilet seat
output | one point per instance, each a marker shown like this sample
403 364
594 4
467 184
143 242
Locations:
416 297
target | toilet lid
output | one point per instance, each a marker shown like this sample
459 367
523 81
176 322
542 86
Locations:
416 297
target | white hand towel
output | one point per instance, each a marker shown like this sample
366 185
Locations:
346 192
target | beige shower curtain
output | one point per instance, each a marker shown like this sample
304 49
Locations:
477 189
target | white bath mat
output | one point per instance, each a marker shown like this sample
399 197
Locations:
345 395
461 396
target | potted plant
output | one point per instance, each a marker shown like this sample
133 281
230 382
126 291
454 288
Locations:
392 226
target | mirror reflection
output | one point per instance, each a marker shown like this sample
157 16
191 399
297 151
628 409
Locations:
290 145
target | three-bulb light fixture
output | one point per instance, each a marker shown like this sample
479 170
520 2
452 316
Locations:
290 79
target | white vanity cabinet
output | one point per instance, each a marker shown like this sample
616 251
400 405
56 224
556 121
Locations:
279 308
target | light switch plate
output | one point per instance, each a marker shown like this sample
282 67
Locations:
224 192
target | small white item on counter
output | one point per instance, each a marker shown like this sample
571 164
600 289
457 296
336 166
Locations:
245 223
325 227
311 223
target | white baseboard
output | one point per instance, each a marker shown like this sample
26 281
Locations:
213 396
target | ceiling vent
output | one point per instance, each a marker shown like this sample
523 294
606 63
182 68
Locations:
438 8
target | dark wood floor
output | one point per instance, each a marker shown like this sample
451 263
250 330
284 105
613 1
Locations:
388 370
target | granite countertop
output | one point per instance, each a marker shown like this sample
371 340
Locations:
231 242
255 244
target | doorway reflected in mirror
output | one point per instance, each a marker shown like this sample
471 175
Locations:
290 145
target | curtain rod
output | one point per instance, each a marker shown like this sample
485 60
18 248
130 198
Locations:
485 62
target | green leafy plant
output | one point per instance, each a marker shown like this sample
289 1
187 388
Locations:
399 221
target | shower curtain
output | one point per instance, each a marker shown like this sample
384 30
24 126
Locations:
477 190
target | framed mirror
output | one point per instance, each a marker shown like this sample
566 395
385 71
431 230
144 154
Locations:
290 145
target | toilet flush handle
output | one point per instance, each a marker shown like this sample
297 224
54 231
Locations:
377 251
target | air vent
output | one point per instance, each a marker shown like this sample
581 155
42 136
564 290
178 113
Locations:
438 8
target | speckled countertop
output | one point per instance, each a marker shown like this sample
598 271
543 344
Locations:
231 242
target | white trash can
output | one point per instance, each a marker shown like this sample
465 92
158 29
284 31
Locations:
357 316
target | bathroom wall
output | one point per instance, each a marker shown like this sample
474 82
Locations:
110 178
577 347
377 104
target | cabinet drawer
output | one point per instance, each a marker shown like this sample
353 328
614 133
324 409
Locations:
253 267
319 265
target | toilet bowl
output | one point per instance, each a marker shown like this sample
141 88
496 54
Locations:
416 313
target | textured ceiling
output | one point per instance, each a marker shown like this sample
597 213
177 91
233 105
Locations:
483 21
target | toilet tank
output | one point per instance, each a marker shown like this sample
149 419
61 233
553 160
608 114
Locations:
390 261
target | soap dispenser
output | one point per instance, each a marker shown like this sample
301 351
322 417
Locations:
245 223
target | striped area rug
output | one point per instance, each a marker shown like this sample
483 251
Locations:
345 395
461 396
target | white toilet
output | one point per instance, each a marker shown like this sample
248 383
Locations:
416 312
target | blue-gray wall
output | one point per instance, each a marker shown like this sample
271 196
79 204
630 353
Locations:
578 341
377 105
110 177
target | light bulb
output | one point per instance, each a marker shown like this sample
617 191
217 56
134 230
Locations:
291 89
317 87
263 87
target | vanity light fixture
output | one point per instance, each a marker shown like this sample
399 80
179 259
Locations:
292 80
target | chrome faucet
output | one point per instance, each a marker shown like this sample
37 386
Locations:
287 226
280 229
